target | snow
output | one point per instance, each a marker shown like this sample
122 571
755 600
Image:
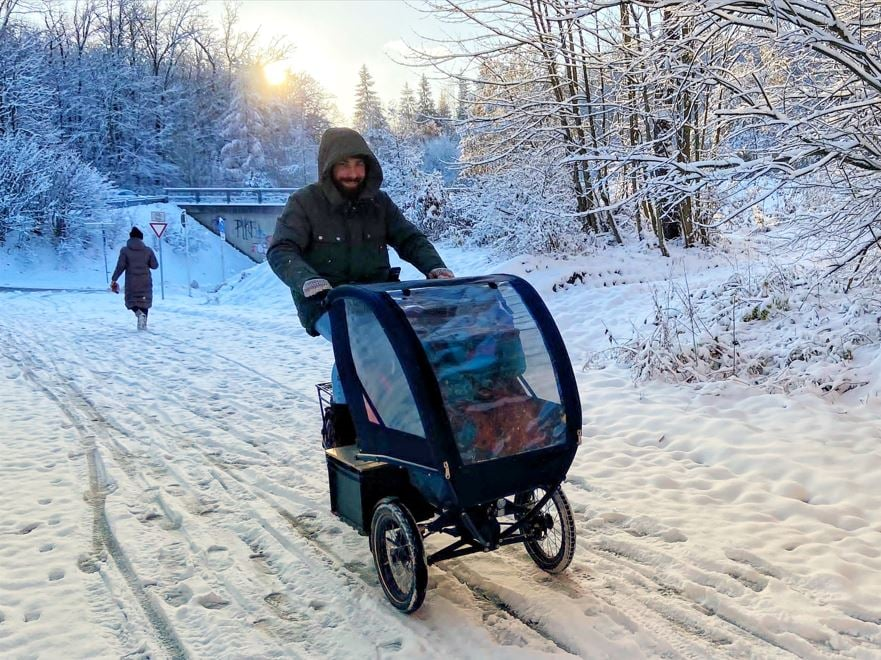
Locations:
164 493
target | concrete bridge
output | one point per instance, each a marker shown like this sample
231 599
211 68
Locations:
249 214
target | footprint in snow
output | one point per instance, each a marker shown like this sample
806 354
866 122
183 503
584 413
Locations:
391 645
218 556
27 529
747 577
178 595
47 547
33 615
212 601
88 564
205 505
56 574
283 606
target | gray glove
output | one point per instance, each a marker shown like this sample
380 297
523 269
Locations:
440 274
315 287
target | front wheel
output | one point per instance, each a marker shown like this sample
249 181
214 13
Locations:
550 533
398 554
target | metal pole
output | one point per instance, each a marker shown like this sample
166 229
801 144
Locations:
161 271
183 221
221 230
104 247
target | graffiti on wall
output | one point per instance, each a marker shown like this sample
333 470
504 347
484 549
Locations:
250 231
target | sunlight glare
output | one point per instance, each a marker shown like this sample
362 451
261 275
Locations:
276 72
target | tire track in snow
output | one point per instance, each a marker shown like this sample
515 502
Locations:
631 571
481 594
711 588
78 409
102 533
315 644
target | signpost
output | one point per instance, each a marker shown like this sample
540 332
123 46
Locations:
221 230
158 224
183 224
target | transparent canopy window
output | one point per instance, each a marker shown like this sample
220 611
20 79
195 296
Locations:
496 377
380 372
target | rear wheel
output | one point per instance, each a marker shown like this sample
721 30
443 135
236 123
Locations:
550 532
398 554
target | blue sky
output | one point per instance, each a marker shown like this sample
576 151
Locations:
334 38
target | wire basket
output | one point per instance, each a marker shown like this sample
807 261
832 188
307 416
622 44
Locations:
325 399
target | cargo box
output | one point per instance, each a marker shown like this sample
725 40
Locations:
356 486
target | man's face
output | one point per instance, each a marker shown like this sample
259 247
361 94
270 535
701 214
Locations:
349 174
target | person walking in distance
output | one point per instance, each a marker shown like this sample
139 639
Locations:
136 260
338 231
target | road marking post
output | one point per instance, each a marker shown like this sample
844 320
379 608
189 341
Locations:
158 224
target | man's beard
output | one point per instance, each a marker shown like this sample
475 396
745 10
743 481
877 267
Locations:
350 193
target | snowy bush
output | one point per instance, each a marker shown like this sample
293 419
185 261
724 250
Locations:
503 214
47 194
432 211
785 330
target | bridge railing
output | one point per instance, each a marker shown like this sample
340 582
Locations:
126 201
239 196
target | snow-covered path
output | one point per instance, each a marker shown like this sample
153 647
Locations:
165 494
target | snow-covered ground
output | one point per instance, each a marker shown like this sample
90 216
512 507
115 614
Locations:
164 493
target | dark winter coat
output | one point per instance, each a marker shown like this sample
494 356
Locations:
322 234
136 260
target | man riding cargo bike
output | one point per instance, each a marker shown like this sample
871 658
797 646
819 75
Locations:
463 414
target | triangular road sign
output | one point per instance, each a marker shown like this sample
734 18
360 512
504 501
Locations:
159 228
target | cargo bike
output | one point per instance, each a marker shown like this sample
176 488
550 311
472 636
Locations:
467 418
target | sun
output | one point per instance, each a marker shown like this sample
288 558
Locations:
276 72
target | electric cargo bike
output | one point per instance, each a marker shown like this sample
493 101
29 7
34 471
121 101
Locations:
467 418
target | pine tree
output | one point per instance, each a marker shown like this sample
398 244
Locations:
407 113
369 117
425 110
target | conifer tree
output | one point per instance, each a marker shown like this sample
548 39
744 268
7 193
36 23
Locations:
369 117
407 112
425 110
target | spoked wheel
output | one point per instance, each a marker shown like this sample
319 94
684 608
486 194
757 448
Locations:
399 556
551 531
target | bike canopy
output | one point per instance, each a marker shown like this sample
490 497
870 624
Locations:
465 382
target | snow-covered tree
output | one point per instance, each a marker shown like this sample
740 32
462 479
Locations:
369 117
242 159
296 114
426 112
46 192
405 125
